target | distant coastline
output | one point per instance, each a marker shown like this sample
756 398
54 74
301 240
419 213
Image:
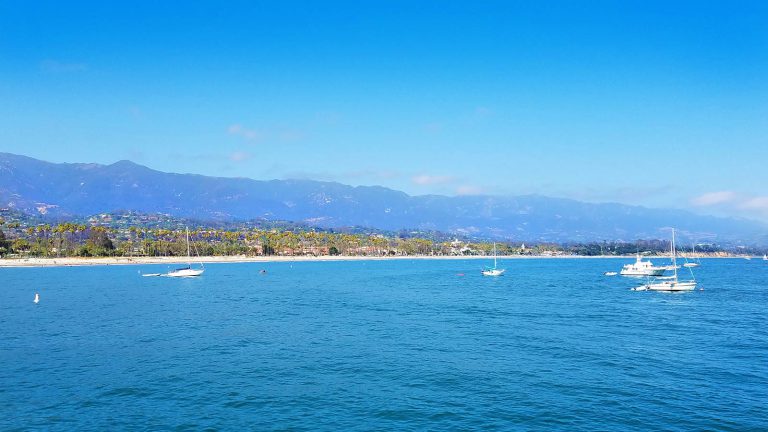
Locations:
107 261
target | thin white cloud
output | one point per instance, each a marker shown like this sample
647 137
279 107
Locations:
344 176
135 112
756 203
290 135
734 204
483 111
282 134
469 190
628 195
431 180
55 66
240 156
375 174
433 128
714 198
245 133
327 118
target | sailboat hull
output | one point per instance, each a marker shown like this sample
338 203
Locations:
671 283
185 273
493 271
669 286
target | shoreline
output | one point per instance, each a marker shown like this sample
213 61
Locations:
106 261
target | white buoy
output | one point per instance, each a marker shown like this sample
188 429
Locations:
37 298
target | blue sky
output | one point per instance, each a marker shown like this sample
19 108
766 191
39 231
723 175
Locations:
663 104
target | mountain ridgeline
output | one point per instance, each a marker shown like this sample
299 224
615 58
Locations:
61 190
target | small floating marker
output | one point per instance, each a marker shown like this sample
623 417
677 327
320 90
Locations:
37 298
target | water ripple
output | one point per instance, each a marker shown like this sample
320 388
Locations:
403 345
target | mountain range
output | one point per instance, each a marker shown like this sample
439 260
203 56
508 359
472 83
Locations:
61 190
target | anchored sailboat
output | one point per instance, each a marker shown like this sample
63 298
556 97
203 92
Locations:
670 283
187 271
493 271
694 262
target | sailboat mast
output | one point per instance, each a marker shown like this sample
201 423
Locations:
674 260
189 255
494 254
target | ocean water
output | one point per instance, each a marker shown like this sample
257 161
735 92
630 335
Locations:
383 345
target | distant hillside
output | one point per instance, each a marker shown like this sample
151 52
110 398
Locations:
36 186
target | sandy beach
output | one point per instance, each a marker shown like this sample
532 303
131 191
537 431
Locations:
102 261
105 261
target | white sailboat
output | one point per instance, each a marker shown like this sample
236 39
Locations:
765 257
694 262
670 283
493 271
187 271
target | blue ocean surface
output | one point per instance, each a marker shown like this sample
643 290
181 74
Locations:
383 345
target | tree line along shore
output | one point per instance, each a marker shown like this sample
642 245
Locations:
83 240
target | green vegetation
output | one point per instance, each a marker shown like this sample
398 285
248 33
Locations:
133 234
4 244
71 239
